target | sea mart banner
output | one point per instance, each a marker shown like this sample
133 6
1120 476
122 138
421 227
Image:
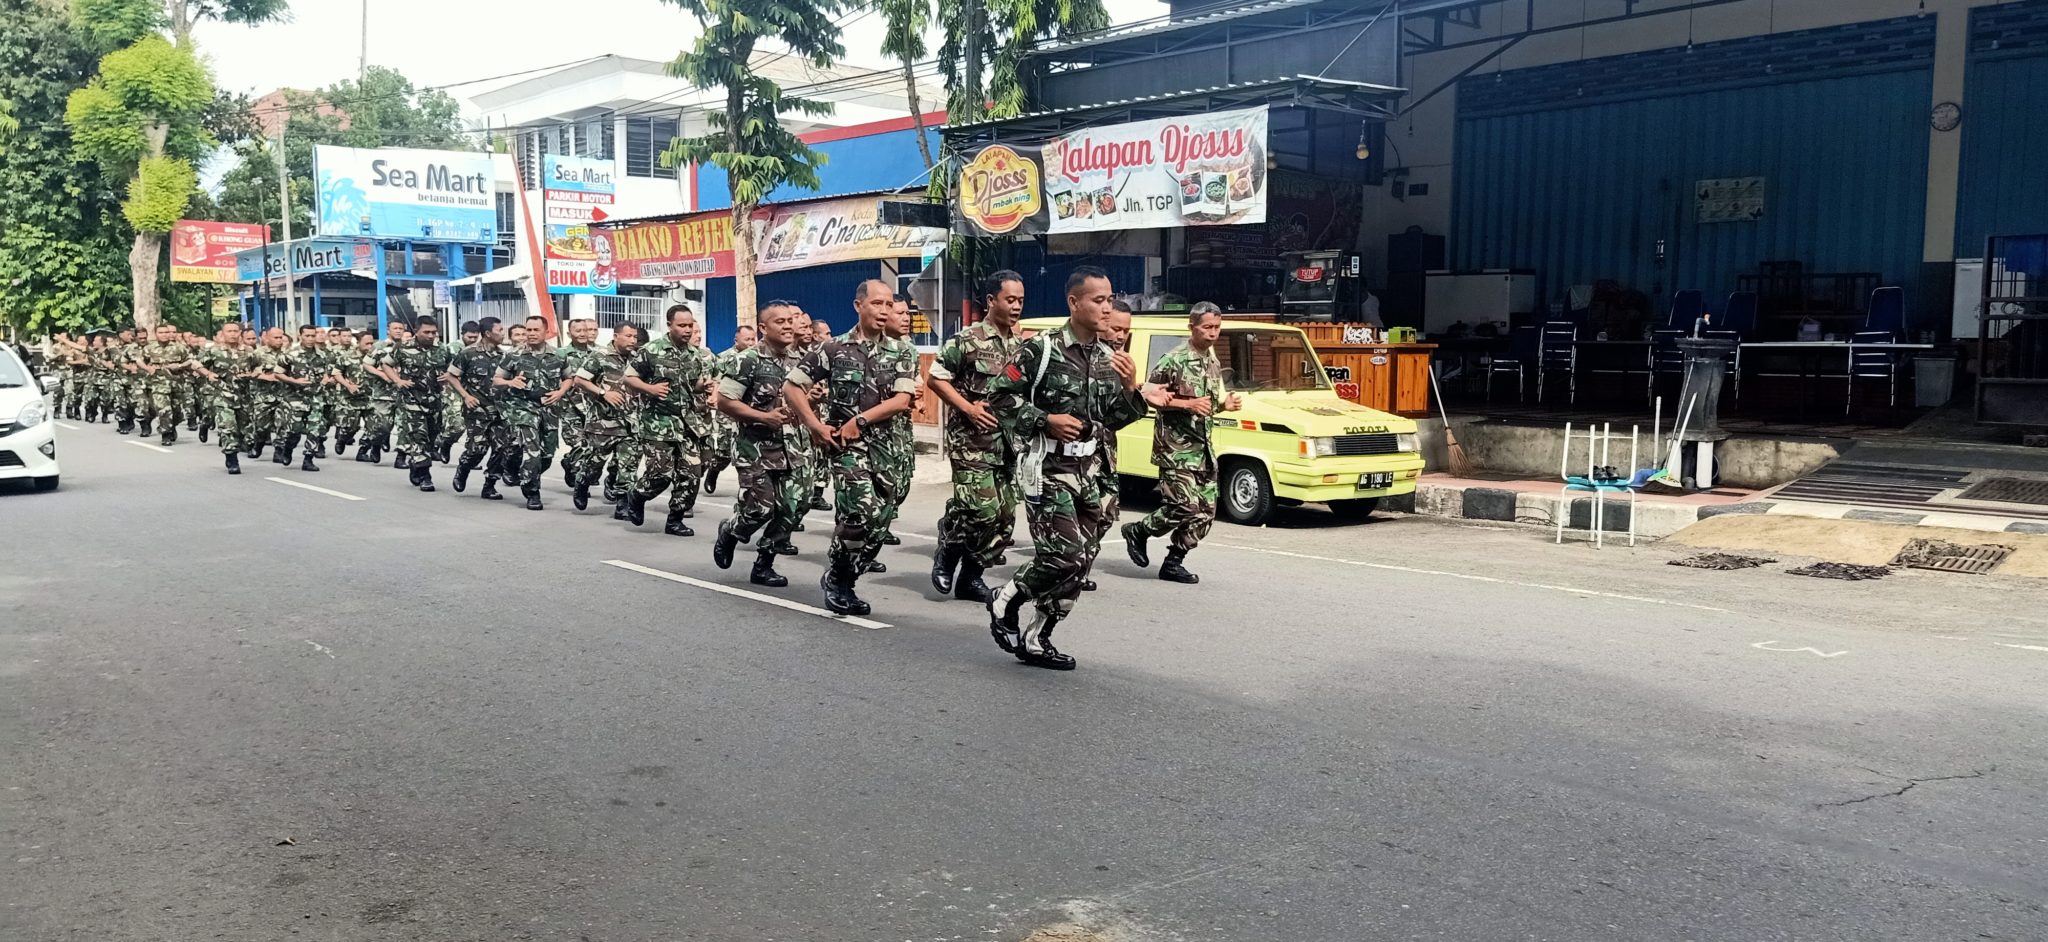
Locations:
1199 170
402 193
577 192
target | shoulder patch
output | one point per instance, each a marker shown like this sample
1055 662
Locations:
1012 373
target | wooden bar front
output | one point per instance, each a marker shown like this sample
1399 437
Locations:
1390 377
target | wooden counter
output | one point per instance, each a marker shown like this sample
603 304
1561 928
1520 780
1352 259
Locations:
1390 377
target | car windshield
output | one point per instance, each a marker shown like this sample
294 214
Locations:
1255 360
11 372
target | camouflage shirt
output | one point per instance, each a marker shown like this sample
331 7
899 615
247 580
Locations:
1180 439
690 371
859 374
422 367
229 365
475 366
607 370
574 358
756 380
163 356
1076 379
304 364
972 361
543 369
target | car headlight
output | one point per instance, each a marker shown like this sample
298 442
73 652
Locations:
1406 442
31 416
1318 447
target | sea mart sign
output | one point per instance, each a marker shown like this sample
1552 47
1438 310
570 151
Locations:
304 257
403 193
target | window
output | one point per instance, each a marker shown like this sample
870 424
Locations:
1162 344
508 217
1268 359
646 138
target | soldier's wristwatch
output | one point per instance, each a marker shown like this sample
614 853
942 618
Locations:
861 422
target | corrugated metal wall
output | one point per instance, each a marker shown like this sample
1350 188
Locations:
1045 276
2005 127
1583 187
825 291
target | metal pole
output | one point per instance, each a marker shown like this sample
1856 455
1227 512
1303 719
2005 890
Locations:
363 61
284 215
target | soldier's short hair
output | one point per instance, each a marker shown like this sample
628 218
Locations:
1120 305
469 327
993 284
1202 309
1081 275
638 334
483 325
860 292
669 317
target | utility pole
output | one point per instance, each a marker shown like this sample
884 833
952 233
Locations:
363 60
284 215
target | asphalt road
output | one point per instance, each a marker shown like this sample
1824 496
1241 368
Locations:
233 709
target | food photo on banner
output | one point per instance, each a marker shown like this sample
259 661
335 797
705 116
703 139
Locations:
803 235
204 251
576 193
403 193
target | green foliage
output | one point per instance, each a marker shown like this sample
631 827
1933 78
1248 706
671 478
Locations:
746 138
157 197
63 243
110 24
143 89
1009 29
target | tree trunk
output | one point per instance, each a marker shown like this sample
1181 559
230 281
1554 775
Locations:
924 147
743 264
181 23
142 266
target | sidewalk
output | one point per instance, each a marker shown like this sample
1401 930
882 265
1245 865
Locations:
1540 502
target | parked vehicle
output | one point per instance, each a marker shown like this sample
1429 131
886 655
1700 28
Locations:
1293 442
28 434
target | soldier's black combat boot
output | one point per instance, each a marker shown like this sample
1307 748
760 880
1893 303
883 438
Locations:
837 582
341 442
728 541
889 538
782 547
462 470
368 453
317 447
1002 616
203 430
619 507
170 436
306 463
764 572
422 474
124 426
875 565
234 462
532 493
818 501
968 586
581 495
636 508
446 449
1172 571
283 454
1088 585
1034 645
490 491
945 560
711 482
1134 543
192 423
676 526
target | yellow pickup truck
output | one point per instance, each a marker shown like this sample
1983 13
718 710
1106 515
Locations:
1294 442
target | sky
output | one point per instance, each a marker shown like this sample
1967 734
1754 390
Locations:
441 42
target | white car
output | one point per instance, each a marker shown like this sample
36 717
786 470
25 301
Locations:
28 434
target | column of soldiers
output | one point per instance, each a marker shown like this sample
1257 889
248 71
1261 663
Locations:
789 407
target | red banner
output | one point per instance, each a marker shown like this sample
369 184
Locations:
695 247
205 251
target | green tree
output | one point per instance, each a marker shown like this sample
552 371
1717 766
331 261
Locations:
62 237
746 137
984 42
384 110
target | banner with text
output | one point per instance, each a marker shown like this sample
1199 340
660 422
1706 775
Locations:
801 235
401 193
694 247
205 251
577 192
303 257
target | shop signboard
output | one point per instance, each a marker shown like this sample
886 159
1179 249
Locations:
305 257
402 193
690 248
205 251
802 235
1001 191
577 192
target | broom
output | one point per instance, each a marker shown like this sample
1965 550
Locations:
1460 465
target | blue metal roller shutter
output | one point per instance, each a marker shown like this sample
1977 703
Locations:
2004 190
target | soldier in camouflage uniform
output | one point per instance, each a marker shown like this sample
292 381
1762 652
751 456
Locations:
897 460
869 379
70 360
347 398
773 492
674 376
161 362
572 411
983 507
469 374
127 379
454 419
266 391
814 469
417 368
1063 396
379 399
1186 386
224 367
532 380
723 430
98 373
603 380
189 392
300 370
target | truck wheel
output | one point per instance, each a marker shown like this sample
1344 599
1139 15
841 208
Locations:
1245 495
1354 511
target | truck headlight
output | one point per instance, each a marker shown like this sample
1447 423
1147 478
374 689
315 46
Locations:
31 416
1406 443
1318 447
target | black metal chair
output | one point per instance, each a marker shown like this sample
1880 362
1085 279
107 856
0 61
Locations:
1558 352
1524 350
1665 359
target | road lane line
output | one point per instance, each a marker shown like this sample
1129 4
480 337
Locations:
1766 646
744 594
67 425
150 447
2023 647
317 646
1575 590
321 490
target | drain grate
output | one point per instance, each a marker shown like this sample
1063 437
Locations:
1943 556
1848 572
2008 491
1721 561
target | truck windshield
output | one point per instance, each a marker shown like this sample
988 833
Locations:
1255 360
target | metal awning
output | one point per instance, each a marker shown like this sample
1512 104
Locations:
1363 99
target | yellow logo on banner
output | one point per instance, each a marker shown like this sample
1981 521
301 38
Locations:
999 189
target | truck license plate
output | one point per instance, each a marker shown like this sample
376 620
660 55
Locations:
1376 481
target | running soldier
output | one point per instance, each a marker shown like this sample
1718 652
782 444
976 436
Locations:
350 396
188 391
983 509
675 375
1064 395
469 374
162 362
225 366
379 401
869 378
122 354
896 449
603 379
722 427
300 371
814 469
773 493
532 381
417 368
1186 386
454 417
572 411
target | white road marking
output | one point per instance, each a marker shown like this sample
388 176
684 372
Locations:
744 594
2023 647
67 425
317 646
320 490
151 447
1575 590
1766 646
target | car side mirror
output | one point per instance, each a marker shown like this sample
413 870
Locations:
46 383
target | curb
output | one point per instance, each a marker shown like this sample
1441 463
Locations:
1654 519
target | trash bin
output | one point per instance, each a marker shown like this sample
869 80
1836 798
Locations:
1934 380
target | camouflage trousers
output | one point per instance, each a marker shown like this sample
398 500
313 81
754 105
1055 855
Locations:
261 416
378 419
295 416
1187 506
419 429
569 419
531 440
1067 520
603 440
159 403
186 394
206 403
66 390
864 503
982 513
771 501
487 435
724 437
453 419
349 413
674 466
226 420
